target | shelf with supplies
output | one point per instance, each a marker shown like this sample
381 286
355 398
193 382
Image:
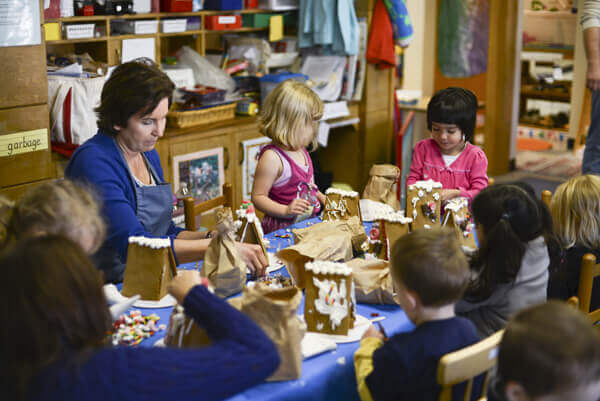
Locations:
102 35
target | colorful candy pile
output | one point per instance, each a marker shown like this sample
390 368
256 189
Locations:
132 328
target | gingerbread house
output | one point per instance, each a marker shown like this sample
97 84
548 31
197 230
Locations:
150 268
183 332
457 215
386 229
248 227
341 205
423 202
329 306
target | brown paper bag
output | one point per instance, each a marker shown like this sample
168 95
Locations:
223 265
373 281
323 229
382 184
334 247
274 311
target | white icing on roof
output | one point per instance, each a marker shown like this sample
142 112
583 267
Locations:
395 217
428 185
154 243
341 192
457 204
326 267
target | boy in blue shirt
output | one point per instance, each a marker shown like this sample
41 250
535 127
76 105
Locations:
430 273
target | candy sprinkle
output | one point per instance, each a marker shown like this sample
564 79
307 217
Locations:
131 328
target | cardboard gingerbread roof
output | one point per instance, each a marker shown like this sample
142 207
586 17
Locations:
341 204
250 230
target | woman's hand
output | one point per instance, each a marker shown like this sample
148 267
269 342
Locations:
297 207
183 282
254 257
449 194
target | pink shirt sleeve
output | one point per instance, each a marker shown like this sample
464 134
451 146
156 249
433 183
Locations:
478 178
416 167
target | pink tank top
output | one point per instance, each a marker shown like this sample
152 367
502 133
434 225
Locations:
300 181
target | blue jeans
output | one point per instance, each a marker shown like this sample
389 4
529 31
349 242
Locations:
591 155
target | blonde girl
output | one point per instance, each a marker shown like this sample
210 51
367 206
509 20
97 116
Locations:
57 207
575 209
284 186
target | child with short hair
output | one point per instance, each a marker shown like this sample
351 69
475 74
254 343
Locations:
511 266
430 273
549 352
575 209
448 157
284 185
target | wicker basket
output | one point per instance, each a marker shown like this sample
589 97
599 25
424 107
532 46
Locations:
183 119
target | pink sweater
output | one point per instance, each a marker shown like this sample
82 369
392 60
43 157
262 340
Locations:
468 172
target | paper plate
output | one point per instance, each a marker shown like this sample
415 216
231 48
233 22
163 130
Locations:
361 324
165 302
159 343
274 264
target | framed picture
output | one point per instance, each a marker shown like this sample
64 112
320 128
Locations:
202 172
252 149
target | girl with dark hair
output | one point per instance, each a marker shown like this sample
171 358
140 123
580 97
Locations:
448 156
511 265
55 344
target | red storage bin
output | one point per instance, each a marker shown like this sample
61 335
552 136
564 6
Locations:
222 22
250 3
176 6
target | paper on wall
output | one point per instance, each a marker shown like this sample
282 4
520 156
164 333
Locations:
135 48
327 73
20 23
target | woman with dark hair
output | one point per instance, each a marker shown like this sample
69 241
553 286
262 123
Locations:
448 156
121 163
56 347
511 265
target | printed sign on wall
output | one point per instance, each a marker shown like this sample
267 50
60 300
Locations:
23 142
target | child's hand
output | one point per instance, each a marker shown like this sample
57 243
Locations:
297 207
449 194
182 283
254 257
372 332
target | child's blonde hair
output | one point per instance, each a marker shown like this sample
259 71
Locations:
431 263
58 207
575 209
287 110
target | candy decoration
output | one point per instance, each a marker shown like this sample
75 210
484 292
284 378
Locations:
130 329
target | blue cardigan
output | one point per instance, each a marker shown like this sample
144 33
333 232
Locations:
240 356
99 163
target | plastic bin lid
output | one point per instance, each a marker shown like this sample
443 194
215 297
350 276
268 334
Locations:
282 77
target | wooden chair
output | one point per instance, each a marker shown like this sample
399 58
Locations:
589 271
191 209
466 364
546 197
573 302
491 181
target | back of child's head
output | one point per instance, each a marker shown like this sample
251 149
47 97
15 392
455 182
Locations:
454 106
575 210
509 218
58 207
287 111
550 349
431 263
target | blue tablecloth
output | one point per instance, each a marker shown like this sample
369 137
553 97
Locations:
328 376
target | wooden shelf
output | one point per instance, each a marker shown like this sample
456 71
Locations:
243 29
540 126
530 92
193 32
86 40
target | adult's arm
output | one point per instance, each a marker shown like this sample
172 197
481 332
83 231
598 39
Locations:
478 178
590 22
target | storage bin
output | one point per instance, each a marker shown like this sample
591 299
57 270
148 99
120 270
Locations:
79 31
176 6
204 94
550 27
222 22
173 25
139 27
222 4
278 4
247 84
256 20
276 60
268 82
183 119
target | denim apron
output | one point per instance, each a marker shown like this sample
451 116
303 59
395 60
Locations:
154 208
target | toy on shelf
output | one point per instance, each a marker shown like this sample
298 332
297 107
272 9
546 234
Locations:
341 205
457 215
329 306
423 202
248 227
386 229
150 268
